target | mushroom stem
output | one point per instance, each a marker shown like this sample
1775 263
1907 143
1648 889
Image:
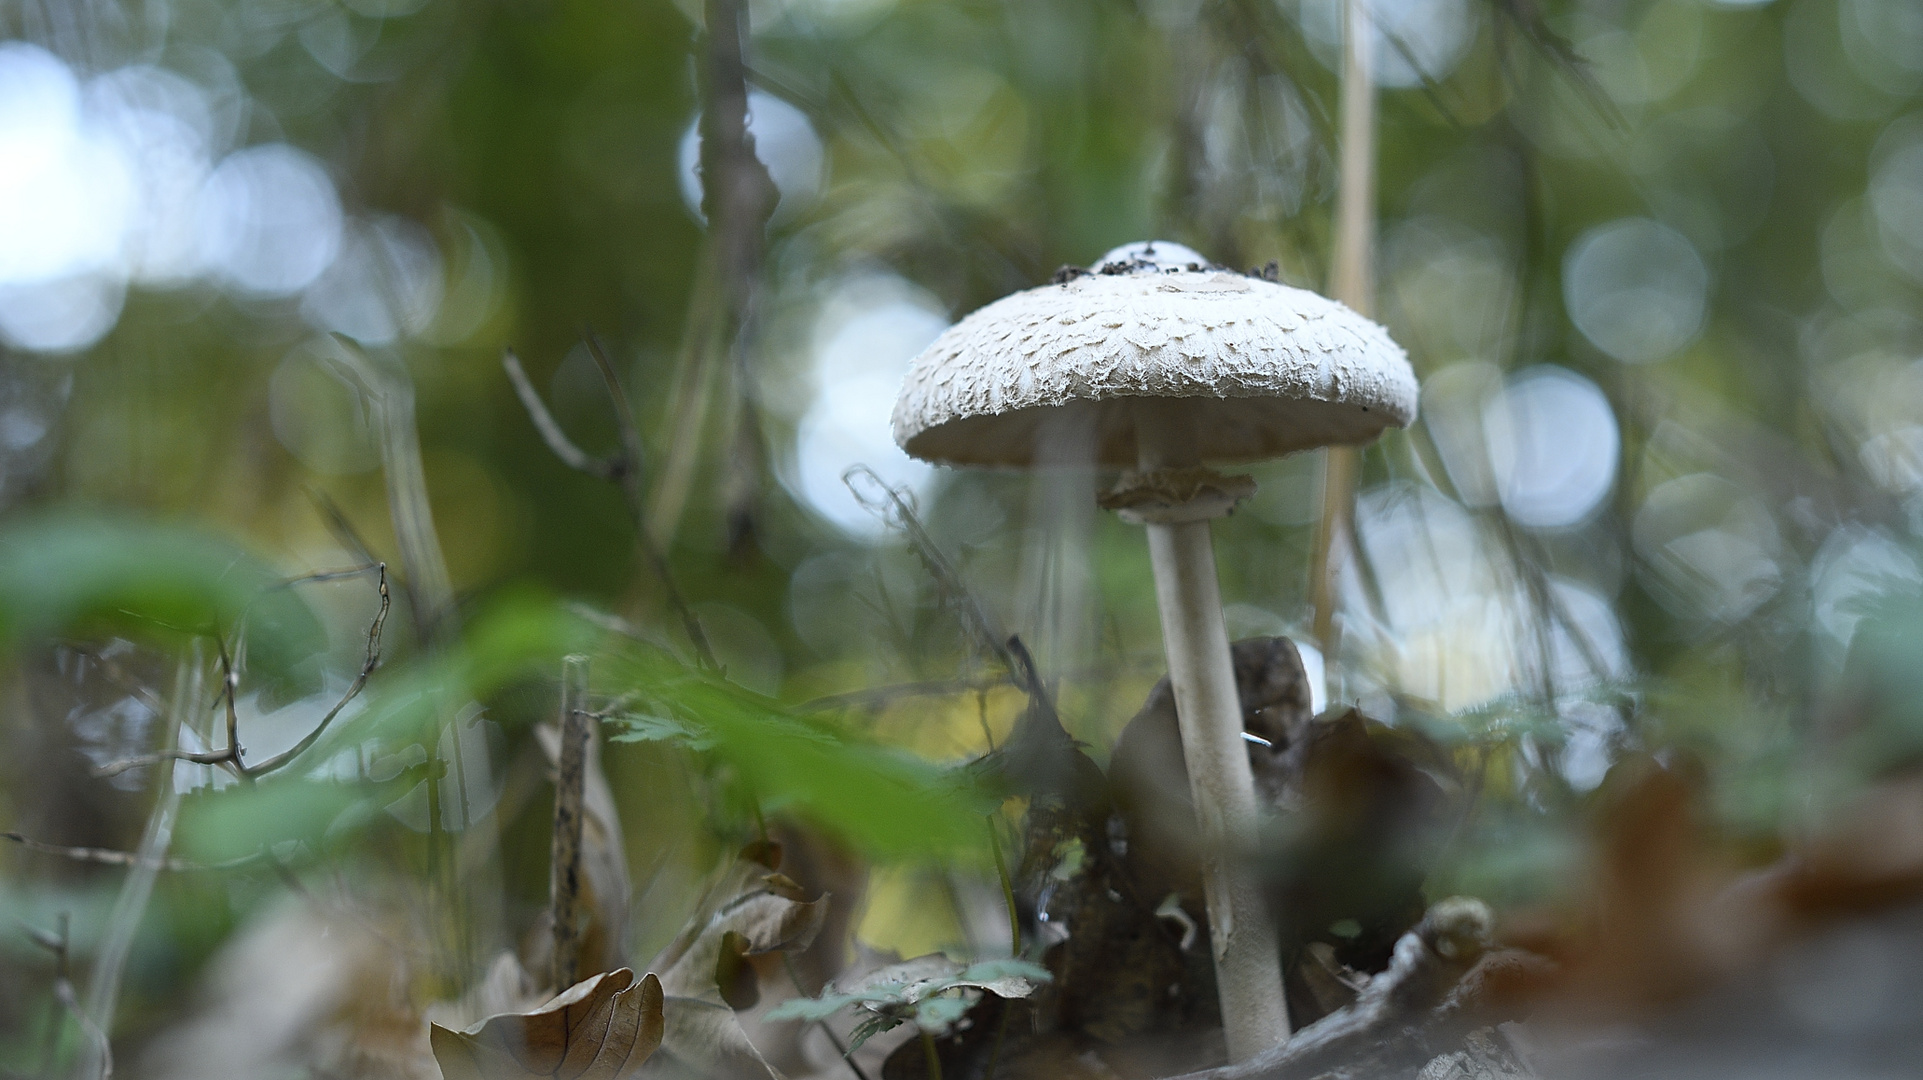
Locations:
1208 709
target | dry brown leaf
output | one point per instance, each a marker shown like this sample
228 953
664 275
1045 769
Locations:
602 1028
768 914
753 911
345 1013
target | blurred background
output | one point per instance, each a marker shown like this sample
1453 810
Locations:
1658 265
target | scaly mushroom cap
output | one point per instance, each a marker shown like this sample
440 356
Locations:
1254 369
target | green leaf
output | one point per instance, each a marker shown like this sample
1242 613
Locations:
820 1008
883 801
931 990
238 821
643 727
91 574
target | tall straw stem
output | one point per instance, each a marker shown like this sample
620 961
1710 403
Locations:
1352 281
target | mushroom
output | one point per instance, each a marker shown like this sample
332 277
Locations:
1164 361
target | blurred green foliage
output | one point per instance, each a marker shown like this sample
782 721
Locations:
1697 221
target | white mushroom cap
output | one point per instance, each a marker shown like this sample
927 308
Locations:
1249 369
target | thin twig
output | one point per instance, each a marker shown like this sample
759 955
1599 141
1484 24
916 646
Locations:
687 404
1527 16
229 691
630 465
112 669
372 661
322 576
136 888
109 857
230 757
896 508
63 992
343 530
624 470
550 429
628 473
794 976
878 696
223 757
615 624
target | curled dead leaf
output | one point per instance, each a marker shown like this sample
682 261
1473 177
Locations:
601 1028
708 973
763 912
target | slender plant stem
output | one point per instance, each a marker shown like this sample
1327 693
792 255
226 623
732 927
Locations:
929 1055
1001 1031
1352 282
109 857
97 1042
625 470
834 1040
1008 889
130 907
570 784
740 197
689 403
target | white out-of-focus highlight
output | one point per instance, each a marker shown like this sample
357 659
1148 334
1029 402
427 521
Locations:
1412 39
785 142
865 334
1712 549
119 179
64 315
67 187
1553 446
1456 625
1636 289
1855 565
270 222
1896 192
386 284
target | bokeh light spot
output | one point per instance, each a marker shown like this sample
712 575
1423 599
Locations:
269 219
866 333
1553 446
1636 289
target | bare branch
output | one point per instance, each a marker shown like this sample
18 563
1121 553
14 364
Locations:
110 857
230 756
897 509
615 624
372 661
112 669
628 466
210 757
739 196
624 470
229 690
564 871
63 992
880 696
322 576
342 529
571 455
1352 282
